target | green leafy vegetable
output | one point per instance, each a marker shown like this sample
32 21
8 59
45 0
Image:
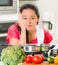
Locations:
12 55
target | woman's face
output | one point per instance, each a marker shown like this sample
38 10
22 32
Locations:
29 18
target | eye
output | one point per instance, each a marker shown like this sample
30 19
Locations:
25 18
32 18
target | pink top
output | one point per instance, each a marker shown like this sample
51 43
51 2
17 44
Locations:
14 33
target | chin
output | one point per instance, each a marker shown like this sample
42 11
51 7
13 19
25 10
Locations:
29 29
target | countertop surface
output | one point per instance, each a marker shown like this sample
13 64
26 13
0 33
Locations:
44 63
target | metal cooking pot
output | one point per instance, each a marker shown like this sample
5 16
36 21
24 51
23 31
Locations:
31 49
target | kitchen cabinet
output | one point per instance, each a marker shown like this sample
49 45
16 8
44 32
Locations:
21 2
27 0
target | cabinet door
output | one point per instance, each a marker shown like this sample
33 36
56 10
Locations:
21 2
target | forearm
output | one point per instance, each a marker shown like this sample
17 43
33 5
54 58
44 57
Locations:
22 37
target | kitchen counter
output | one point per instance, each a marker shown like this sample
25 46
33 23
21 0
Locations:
44 63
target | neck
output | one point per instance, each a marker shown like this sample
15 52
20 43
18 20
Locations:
31 32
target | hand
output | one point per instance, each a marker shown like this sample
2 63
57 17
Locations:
20 22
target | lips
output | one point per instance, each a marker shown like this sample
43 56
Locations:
29 25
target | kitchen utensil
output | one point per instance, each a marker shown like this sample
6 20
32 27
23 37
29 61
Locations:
31 49
54 52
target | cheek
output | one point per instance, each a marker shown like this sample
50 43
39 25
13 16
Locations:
35 22
25 23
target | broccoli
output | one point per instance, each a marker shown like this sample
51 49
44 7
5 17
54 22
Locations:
12 55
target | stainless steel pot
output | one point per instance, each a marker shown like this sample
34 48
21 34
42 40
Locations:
31 49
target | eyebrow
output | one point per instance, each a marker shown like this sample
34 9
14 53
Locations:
26 16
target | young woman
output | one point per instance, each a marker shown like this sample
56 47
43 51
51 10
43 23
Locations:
26 30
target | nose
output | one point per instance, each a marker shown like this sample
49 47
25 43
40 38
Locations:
29 21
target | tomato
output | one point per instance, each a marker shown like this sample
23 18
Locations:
28 59
42 57
37 59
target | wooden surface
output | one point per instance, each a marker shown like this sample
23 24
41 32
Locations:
44 63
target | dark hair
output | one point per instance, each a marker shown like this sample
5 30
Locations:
28 6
